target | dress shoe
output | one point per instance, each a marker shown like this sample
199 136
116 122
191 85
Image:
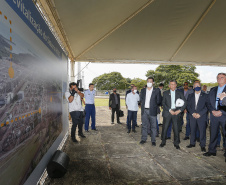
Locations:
186 138
177 146
136 125
112 122
190 146
134 131
153 144
119 123
74 140
95 129
82 135
162 145
203 149
128 131
168 138
142 142
209 154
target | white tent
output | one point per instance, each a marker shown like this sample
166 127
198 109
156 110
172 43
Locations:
155 31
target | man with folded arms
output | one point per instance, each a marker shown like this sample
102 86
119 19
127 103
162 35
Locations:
173 104
197 109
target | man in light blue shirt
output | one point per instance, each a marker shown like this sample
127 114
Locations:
90 108
217 114
132 100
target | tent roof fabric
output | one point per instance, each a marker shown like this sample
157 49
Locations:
154 31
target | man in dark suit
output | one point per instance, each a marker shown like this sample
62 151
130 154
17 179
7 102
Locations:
173 104
114 105
217 113
197 110
150 99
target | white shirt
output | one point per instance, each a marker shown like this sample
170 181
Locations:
132 101
89 96
76 104
197 99
148 97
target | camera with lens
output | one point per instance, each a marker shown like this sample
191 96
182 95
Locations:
80 89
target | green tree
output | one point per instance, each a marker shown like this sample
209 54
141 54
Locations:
165 73
108 81
139 83
210 84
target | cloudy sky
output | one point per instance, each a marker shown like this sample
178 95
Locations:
207 73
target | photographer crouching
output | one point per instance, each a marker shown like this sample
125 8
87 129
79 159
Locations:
74 98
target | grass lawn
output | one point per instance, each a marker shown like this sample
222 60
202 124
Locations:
105 102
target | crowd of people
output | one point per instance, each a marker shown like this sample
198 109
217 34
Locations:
199 106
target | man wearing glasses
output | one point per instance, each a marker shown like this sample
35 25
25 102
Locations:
217 113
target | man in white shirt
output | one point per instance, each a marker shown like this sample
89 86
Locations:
197 109
150 99
74 98
132 100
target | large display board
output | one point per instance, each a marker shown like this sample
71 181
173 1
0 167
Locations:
33 74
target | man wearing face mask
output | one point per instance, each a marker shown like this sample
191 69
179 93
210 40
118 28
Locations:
132 100
150 99
197 109
173 104
127 92
114 105
74 97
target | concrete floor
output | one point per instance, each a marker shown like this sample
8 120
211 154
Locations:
111 156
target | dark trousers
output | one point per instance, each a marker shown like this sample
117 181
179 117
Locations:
116 109
77 119
188 126
132 115
90 111
127 120
157 125
215 123
169 130
198 124
168 134
219 138
176 121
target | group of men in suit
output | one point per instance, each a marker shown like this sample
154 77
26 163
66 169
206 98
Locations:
174 103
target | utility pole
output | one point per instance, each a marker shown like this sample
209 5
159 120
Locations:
83 79
79 74
72 77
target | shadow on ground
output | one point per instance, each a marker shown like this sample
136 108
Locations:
111 156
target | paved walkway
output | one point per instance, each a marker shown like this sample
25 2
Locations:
111 156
